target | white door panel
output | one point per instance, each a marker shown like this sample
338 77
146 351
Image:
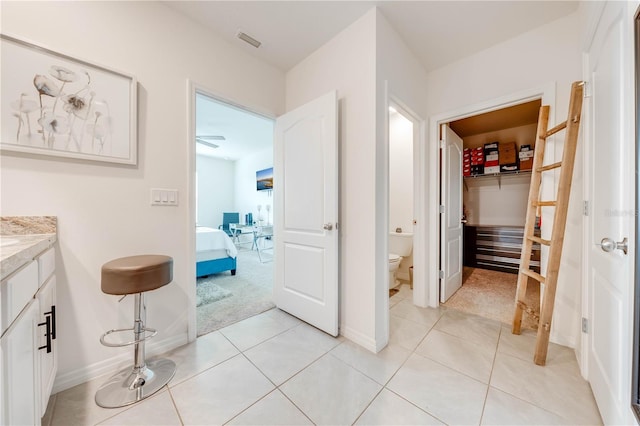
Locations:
610 192
450 221
306 192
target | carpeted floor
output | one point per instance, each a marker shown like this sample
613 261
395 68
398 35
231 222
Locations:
492 294
223 299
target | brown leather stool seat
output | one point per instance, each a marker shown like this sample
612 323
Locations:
136 274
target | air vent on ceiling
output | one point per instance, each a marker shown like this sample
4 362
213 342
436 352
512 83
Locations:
247 38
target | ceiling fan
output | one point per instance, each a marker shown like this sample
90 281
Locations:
208 140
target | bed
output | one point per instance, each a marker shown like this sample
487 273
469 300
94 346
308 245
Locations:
215 252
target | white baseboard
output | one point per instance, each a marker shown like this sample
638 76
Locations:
359 338
112 365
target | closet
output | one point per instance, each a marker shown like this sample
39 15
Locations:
498 149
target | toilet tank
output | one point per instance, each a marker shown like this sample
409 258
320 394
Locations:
401 243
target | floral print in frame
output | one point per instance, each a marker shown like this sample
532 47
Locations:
54 104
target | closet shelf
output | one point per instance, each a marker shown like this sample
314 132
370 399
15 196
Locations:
497 176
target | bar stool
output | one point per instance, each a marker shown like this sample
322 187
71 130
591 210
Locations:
135 275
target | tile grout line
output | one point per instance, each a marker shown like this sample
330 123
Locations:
493 364
175 406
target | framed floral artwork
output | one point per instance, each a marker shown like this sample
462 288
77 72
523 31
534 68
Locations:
54 104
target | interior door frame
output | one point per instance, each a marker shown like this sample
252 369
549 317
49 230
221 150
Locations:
547 93
193 88
419 229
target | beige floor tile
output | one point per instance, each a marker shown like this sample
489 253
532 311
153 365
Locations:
220 393
77 405
462 355
556 388
46 419
283 317
273 409
523 347
330 392
283 356
504 409
394 300
155 410
405 333
405 291
390 409
252 331
473 328
446 394
380 367
407 310
193 358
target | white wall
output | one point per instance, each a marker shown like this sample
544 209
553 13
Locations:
547 55
247 197
400 173
399 78
347 64
216 189
490 203
103 210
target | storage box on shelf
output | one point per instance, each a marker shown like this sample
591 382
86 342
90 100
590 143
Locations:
491 158
526 157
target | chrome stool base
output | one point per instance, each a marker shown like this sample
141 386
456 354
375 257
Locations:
132 385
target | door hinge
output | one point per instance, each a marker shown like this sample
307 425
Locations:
585 325
441 275
585 208
442 143
587 90
441 208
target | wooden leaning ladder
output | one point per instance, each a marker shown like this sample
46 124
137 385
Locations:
561 204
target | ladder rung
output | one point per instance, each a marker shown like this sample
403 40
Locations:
544 203
539 240
536 276
556 129
549 167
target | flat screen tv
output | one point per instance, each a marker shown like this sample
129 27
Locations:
264 179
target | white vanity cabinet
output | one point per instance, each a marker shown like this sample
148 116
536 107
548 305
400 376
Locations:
28 356
20 381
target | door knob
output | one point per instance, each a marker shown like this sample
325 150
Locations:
328 226
609 245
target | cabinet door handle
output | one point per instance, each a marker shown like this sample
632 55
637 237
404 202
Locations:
52 312
47 323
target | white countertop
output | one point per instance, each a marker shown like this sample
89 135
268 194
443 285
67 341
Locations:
18 250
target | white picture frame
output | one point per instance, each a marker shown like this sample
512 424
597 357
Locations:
56 105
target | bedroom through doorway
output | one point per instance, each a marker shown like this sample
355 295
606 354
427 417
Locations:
234 213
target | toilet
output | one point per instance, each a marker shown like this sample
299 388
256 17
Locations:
400 245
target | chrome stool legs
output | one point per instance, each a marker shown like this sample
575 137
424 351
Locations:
145 378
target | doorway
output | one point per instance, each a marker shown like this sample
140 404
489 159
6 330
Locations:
233 213
436 185
497 158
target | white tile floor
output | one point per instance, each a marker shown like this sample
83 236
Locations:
442 366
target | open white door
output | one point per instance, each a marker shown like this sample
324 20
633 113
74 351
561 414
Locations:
451 217
306 199
611 197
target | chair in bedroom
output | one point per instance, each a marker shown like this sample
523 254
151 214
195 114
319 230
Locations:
228 218
262 233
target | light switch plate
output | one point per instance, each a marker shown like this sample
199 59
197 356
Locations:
164 197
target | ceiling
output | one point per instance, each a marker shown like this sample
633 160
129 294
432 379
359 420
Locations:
505 118
243 131
438 32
